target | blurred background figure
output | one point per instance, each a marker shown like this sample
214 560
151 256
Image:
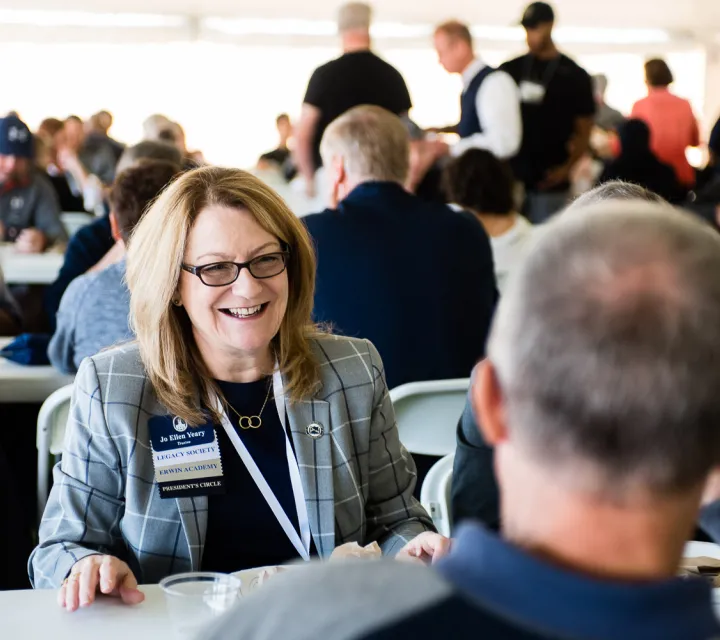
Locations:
29 207
558 108
673 127
714 148
480 183
94 152
357 77
280 158
490 103
93 247
154 124
50 137
98 133
94 310
639 165
606 117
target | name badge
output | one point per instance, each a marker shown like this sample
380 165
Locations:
186 459
532 92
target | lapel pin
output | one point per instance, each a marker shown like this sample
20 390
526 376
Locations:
314 430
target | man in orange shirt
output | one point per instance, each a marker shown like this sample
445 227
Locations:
673 127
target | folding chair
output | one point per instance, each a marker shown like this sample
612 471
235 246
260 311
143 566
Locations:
435 494
51 424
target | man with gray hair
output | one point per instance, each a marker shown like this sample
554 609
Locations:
356 77
600 394
414 277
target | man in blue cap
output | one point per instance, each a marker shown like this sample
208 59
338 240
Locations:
29 207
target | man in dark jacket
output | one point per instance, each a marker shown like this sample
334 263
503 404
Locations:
413 277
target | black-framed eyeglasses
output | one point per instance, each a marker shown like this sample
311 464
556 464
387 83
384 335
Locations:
221 274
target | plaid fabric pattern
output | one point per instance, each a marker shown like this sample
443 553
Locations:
357 478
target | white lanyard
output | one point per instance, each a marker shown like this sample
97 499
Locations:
301 545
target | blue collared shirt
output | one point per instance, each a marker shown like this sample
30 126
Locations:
535 595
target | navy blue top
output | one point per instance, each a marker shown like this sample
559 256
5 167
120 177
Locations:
714 142
84 251
242 531
469 118
503 593
414 277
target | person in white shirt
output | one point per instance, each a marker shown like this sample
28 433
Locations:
490 115
480 183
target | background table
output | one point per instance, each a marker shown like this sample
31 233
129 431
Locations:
20 383
35 615
19 268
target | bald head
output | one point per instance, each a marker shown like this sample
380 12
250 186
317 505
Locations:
606 347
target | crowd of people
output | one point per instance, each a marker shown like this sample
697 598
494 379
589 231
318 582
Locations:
233 362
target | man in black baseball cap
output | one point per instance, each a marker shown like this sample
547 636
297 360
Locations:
29 207
558 105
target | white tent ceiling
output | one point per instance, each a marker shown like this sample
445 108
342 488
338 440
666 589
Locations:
700 16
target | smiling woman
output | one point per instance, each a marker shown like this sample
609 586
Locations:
233 433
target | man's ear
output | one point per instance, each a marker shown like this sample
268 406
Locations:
115 227
338 177
489 404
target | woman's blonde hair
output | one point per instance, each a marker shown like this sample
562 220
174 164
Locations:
172 360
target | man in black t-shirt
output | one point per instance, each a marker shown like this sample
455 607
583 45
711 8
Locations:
557 111
357 77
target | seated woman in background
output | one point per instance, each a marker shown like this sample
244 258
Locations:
479 182
637 164
233 433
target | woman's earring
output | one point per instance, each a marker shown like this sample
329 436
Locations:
177 302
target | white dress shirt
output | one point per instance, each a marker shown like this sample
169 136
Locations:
498 109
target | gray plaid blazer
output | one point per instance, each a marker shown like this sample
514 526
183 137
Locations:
358 479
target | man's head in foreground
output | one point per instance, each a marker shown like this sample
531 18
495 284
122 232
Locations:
600 391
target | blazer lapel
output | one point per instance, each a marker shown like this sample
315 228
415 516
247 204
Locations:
193 516
314 456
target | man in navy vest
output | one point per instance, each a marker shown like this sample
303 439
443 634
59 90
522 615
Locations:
490 116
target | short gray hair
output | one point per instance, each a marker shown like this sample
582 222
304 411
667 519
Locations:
373 143
354 16
615 190
607 349
148 150
154 124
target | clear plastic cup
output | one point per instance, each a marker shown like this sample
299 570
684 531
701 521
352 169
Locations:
194 599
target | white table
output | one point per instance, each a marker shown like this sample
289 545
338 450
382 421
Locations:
35 615
20 383
20 268
31 615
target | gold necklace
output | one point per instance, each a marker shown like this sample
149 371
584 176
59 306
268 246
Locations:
251 422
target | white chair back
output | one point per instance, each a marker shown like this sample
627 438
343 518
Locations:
427 414
435 494
74 220
51 424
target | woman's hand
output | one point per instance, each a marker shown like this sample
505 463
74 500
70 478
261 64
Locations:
427 547
107 573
